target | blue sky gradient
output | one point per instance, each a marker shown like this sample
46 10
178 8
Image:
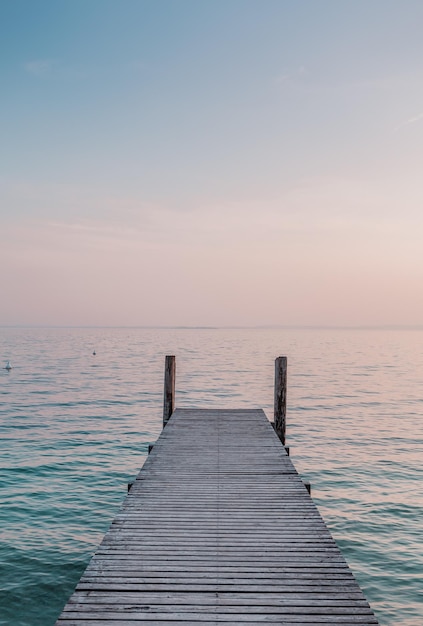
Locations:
261 157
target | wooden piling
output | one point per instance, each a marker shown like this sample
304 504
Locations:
169 388
280 397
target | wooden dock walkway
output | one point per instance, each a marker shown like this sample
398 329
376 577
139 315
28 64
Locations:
218 527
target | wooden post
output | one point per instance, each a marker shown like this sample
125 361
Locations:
280 397
169 389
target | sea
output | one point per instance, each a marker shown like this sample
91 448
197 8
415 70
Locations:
75 428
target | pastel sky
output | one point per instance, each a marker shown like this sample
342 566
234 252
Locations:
211 162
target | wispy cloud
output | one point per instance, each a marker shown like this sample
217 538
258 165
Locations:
290 75
40 68
412 120
46 68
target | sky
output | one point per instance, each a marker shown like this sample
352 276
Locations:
211 162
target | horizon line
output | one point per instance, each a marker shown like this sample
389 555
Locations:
228 327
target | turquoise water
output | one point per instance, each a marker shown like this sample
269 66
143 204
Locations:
75 430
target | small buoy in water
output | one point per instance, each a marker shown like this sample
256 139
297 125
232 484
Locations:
94 353
8 366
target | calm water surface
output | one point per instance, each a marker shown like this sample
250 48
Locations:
75 429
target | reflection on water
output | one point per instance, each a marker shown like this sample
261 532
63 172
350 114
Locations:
75 429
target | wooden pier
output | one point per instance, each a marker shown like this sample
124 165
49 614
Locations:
218 528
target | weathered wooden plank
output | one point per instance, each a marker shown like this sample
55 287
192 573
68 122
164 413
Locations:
136 611
213 619
154 566
215 577
145 615
219 584
355 598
